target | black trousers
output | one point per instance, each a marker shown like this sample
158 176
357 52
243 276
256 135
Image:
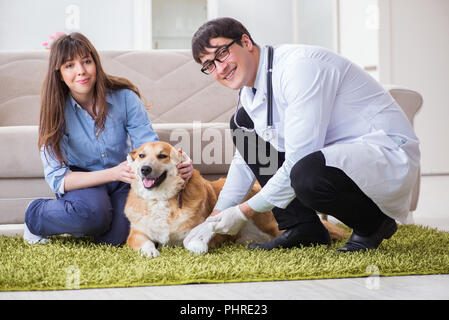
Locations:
317 187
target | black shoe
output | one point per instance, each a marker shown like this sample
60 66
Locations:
358 243
304 234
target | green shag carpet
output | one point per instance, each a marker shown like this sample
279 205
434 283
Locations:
78 263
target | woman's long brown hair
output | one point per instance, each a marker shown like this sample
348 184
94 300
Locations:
55 92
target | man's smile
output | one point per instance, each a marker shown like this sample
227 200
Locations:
230 74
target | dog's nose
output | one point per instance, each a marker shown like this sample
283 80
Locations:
146 170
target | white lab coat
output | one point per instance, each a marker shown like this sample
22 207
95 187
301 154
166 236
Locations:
324 102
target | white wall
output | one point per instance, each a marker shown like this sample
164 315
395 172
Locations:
175 22
358 33
416 39
315 22
26 24
268 21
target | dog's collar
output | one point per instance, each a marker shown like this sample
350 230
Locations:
180 195
180 199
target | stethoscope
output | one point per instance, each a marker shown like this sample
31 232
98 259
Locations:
269 132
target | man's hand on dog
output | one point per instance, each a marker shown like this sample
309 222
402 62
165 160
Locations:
226 221
229 221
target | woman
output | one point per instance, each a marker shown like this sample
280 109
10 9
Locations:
87 118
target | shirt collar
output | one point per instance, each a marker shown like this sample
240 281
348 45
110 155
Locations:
260 67
260 84
72 102
75 104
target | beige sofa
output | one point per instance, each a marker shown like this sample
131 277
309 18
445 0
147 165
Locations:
187 109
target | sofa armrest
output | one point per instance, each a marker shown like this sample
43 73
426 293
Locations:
411 102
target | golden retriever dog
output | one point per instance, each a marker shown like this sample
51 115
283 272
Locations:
163 208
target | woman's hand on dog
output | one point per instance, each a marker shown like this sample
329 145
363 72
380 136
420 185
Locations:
122 172
185 168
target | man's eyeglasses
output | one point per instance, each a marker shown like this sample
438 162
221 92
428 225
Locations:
221 55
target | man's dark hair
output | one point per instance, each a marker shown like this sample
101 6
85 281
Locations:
220 27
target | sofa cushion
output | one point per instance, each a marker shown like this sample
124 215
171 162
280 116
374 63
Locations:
20 153
21 81
208 144
17 193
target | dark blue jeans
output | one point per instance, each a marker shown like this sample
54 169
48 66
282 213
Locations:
96 211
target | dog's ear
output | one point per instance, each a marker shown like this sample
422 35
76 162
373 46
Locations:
132 156
129 159
182 155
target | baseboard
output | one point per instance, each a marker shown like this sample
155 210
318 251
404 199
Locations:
11 230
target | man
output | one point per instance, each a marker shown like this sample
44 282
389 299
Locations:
343 146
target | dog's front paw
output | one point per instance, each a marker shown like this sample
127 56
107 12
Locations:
197 246
148 250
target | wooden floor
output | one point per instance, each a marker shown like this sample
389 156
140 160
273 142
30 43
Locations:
432 211
398 288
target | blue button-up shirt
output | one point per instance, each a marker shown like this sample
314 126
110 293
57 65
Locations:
127 127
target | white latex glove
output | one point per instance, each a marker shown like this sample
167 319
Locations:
195 232
229 221
197 241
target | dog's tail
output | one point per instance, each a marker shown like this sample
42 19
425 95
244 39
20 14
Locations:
335 232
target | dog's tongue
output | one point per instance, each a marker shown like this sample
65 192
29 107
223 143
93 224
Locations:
148 183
